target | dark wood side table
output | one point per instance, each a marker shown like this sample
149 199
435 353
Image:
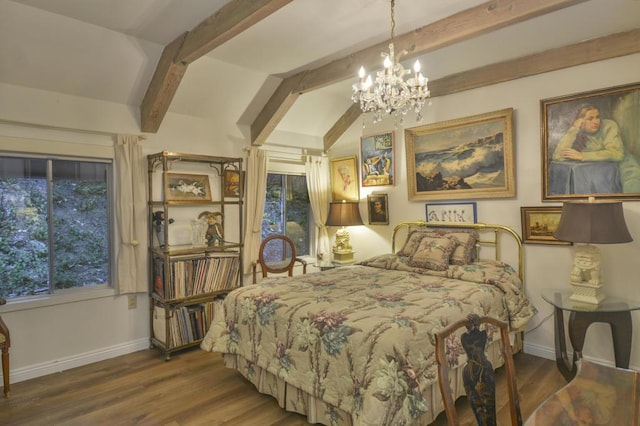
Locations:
614 311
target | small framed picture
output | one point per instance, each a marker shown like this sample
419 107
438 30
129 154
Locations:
344 179
378 207
452 212
377 160
188 187
539 224
232 183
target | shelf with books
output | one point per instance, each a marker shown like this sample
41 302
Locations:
195 212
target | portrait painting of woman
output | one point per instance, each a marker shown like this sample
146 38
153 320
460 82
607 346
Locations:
591 144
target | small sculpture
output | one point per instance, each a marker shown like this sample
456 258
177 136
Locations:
158 226
586 266
215 230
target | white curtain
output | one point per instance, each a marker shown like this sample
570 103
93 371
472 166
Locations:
319 187
257 166
131 215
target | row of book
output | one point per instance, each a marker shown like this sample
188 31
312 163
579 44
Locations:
193 276
185 324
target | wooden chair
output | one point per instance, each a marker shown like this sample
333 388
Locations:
5 342
277 255
478 373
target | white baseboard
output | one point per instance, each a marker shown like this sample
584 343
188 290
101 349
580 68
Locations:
59 365
538 350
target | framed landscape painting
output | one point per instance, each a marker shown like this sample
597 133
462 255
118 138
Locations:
591 145
377 159
344 179
539 224
465 158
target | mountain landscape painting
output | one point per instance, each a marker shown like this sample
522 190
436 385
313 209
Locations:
460 159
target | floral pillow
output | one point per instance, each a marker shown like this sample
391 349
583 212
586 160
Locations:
413 241
433 253
463 253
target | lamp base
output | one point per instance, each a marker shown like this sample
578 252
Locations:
585 276
343 257
586 293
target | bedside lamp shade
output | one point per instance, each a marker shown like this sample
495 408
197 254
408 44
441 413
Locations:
590 222
343 214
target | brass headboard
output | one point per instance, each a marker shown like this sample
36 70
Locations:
490 235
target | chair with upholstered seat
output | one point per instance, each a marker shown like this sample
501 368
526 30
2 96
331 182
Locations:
277 255
478 373
5 342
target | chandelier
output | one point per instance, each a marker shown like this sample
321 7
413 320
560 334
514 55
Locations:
390 93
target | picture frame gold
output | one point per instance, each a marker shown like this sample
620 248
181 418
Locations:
188 187
377 160
344 179
378 209
233 183
590 144
539 223
464 158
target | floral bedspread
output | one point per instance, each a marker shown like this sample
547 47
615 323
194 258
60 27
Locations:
361 337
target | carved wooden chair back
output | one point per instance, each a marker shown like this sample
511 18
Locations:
478 373
277 255
5 343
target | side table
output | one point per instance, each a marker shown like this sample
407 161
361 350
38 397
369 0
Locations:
614 311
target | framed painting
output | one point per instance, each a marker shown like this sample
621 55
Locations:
378 207
344 179
187 187
232 183
539 224
377 159
452 212
591 144
465 158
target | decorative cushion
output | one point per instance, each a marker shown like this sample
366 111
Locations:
413 241
433 253
463 253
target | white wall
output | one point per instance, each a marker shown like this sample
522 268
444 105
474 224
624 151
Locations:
52 338
65 332
545 265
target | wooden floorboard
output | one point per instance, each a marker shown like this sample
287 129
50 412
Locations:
194 388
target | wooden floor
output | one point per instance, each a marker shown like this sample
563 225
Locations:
193 388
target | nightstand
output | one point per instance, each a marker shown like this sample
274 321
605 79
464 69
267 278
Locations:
614 311
325 265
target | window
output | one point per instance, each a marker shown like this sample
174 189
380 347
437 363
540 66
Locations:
287 210
55 225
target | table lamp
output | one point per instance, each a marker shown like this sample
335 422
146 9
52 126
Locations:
343 213
590 222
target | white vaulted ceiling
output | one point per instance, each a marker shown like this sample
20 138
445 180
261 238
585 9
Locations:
79 47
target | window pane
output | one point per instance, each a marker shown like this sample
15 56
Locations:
73 244
297 213
80 224
287 210
24 241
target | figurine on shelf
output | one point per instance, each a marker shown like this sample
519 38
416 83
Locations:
158 226
215 230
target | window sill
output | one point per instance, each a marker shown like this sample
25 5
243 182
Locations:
61 297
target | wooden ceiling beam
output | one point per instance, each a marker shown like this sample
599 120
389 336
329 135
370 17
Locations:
607 47
475 21
230 20
164 84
